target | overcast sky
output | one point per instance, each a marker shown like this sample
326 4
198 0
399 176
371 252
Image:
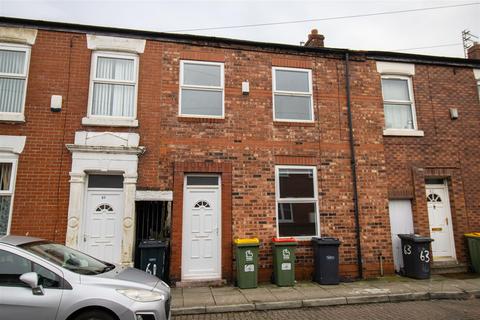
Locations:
439 27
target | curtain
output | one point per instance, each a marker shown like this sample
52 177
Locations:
5 176
12 62
11 94
115 69
11 89
398 116
114 99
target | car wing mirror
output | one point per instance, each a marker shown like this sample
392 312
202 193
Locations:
31 278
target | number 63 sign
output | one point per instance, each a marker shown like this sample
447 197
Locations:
424 253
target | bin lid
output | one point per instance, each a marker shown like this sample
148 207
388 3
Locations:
472 235
414 237
153 244
246 241
326 241
284 240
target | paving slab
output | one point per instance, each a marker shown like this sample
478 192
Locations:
225 290
313 292
286 294
393 288
198 300
258 295
230 299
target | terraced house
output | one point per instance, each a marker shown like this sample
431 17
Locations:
112 136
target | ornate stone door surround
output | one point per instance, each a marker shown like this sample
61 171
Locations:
105 153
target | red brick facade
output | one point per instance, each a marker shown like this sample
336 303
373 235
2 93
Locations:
245 146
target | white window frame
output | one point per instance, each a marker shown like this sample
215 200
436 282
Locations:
293 93
297 200
13 159
398 131
17 116
98 120
199 87
478 89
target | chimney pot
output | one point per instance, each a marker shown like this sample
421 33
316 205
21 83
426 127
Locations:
315 39
474 51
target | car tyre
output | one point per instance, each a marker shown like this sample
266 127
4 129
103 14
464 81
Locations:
94 315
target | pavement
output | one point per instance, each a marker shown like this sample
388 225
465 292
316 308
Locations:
203 300
423 310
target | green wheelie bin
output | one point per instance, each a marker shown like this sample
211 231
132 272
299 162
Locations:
473 240
247 262
284 261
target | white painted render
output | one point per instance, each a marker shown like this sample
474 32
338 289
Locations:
152 195
18 35
12 144
95 42
476 73
406 69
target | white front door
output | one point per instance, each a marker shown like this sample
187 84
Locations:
401 222
201 228
102 232
440 220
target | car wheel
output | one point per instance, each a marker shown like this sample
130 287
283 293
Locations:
94 315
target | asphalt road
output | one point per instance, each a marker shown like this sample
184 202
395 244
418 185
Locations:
422 310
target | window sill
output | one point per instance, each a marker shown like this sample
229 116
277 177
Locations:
282 123
200 119
109 122
12 117
403 133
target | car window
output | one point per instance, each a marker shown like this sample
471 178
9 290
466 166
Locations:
68 258
46 278
12 266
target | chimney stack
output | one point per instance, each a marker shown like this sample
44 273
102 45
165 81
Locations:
474 51
315 40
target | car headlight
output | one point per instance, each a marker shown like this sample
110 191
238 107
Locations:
142 295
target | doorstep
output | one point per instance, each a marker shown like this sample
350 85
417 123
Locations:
310 294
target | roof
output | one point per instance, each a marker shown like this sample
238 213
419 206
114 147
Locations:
236 43
18 240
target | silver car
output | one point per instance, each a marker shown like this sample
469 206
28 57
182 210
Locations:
42 280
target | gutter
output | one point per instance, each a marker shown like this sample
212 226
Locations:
353 164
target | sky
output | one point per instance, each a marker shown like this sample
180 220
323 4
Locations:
394 32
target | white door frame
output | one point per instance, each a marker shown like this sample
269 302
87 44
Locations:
219 222
444 186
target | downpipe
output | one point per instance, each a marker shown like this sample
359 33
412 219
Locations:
353 164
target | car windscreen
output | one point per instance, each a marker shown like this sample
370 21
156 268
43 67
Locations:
68 258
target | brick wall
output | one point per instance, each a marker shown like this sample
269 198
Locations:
247 145
448 150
